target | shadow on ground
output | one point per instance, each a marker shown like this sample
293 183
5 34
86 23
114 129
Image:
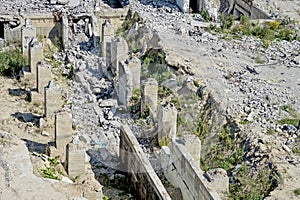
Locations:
35 146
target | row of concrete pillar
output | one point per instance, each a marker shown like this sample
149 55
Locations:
48 93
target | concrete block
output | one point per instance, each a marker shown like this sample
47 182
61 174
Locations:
43 76
125 85
119 52
75 160
53 101
35 55
134 65
36 98
107 36
63 129
167 122
28 32
149 89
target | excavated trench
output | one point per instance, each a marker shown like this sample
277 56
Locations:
223 141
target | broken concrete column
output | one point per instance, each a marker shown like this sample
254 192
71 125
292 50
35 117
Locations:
75 160
119 52
65 29
63 129
28 32
107 36
167 123
125 85
43 76
35 55
149 89
53 101
134 65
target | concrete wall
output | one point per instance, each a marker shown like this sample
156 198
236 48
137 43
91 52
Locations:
252 11
46 25
182 171
143 177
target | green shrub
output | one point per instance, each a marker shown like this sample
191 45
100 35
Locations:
146 112
297 191
254 185
11 62
164 92
226 21
136 96
293 122
57 42
49 172
205 15
164 141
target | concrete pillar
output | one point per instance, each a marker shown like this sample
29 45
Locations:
75 160
53 101
107 36
43 76
63 129
96 31
119 52
149 89
65 30
134 65
35 55
167 122
28 32
125 85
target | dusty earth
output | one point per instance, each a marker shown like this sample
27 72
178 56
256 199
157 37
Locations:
18 141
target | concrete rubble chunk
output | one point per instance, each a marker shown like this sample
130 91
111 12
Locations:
134 64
